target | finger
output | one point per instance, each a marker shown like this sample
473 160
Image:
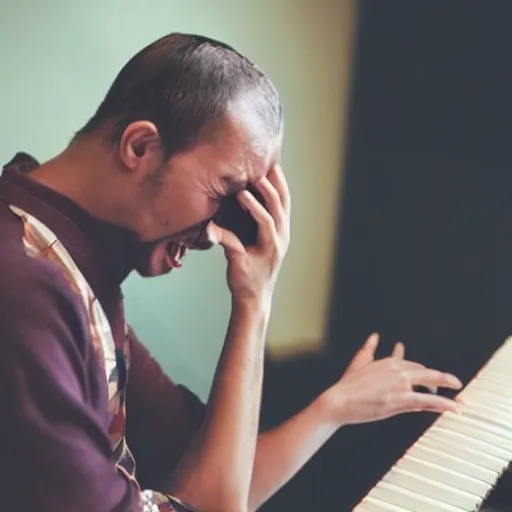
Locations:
228 240
366 354
433 378
415 402
266 225
370 347
277 178
398 351
403 364
272 201
426 389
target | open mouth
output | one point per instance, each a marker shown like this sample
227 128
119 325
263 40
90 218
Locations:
175 253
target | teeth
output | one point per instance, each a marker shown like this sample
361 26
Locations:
174 254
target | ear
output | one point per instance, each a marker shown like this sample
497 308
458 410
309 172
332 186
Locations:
140 147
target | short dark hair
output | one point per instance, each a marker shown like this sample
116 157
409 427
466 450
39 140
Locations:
183 84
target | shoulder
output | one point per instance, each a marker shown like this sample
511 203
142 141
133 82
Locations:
24 277
38 307
31 281
37 302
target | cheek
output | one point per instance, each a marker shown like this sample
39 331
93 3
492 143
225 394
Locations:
185 211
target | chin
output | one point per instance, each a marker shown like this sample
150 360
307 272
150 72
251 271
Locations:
150 270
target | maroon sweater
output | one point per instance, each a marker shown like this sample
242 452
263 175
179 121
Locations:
54 441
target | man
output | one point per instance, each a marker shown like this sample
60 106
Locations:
90 421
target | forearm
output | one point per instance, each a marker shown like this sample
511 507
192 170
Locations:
216 472
283 451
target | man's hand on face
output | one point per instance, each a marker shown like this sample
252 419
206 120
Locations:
372 390
252 271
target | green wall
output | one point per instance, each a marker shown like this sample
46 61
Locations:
57 59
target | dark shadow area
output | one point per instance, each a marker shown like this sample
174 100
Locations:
425 246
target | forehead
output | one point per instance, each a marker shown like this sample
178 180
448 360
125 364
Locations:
239 152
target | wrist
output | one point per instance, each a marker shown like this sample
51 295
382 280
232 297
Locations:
332 407
253 314
253 305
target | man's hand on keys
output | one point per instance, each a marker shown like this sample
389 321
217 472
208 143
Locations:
371 389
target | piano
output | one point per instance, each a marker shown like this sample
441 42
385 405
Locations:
456 463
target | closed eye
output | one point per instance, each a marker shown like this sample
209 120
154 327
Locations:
233 185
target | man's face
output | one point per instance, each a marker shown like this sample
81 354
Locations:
180 197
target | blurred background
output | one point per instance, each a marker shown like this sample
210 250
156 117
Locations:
57 60
397 150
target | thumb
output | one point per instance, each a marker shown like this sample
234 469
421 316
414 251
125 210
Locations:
366 354
227 239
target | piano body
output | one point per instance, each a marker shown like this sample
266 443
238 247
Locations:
458 460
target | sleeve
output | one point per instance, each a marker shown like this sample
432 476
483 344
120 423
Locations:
162 417
56 453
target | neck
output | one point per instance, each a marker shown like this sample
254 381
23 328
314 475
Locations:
84 173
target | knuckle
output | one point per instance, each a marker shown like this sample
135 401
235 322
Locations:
382 401
267 219
272 192
394 364
405 378
437 375
387 399
413 405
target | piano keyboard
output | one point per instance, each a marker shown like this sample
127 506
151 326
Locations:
458 460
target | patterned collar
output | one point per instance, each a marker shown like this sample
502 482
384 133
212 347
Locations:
102 251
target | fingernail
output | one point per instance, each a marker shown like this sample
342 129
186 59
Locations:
454 380
212 235
373 338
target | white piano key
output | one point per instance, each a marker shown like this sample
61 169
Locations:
497 375
367 507
391 493
500 358
480 403
482 395
498 382
443 474
474 429
374 505
482 412
496 363
490 387
462 439
501 400
479 423
501 387
432 489
457 457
